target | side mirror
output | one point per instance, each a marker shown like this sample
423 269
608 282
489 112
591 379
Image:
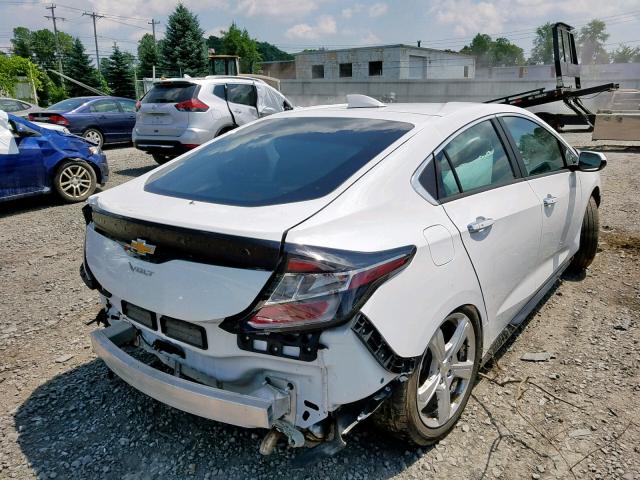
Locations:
264 111
24 131
590 161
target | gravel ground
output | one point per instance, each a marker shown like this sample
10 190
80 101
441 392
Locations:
572 416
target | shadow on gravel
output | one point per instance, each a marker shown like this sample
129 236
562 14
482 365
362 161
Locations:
136 171
81 424
29 204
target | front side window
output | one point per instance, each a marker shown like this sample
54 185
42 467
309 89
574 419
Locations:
104 106
540 150
474 159
282 160
10 106
242 93
128 105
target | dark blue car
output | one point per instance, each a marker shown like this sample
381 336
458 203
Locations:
100 120
35 160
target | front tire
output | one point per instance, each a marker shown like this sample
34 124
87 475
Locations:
425 408
94 136
588 238
74 181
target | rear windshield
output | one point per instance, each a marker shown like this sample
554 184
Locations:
170 93
68 104
277 161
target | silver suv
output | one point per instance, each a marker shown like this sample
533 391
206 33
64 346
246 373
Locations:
179 114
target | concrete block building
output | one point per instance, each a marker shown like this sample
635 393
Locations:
387 62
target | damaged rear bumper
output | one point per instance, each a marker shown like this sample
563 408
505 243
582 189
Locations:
260 410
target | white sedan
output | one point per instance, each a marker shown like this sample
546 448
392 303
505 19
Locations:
317 266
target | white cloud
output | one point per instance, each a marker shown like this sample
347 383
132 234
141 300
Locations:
326 25
215 31
352 10
283 9
370 38
378 9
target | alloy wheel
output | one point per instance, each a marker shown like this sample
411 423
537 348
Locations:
446 370
94 137
75 181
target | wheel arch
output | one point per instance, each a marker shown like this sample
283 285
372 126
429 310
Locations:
224 129
54 171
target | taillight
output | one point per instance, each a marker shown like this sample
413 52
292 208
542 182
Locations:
321 287
138 105
31 117
192 105
58 120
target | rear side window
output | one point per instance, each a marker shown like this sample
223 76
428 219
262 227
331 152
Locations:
128 105
68 104
244 94
282 160
476 159
170 93
104 106
540 150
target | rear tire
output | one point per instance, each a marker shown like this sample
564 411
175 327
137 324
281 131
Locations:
588 238
414 413
74 181
94 136
160 158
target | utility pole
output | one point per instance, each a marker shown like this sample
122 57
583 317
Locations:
53 17
153 24
94 16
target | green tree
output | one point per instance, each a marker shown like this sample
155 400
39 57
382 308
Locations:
490 53
21 42
13 68
147 55
270 52
542 52
238 42
183 48
118 72
591 42
625 54
40 46
78 66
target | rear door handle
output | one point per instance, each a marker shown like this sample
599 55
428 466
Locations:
480 224
549 200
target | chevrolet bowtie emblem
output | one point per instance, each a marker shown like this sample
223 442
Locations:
141 247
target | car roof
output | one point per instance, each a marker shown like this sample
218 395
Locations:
209 79
417 113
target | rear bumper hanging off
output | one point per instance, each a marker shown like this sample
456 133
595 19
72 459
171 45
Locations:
202 400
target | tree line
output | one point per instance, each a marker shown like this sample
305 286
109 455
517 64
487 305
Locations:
590 43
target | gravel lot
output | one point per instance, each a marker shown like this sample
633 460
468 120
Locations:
573 416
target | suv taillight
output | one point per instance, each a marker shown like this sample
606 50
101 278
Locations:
193 105
58 120
322 287
138 105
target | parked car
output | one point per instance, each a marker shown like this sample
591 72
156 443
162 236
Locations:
179 114
36 160
320 265
101 120
17 107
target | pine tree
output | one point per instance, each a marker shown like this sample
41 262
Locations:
147 55
78 66
184 49
119 74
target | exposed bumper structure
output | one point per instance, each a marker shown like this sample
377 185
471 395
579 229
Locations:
202 400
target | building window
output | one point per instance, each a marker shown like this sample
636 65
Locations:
346 70
466 71
375 69
317 71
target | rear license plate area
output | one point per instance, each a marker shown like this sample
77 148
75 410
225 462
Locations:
184 331
140 315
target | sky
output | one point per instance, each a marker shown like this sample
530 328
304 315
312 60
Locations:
293 25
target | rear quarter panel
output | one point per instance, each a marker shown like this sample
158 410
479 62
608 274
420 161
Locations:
383 211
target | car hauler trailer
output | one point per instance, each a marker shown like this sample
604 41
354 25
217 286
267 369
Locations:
620 122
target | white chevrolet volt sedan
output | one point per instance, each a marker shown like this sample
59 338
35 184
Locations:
320 265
